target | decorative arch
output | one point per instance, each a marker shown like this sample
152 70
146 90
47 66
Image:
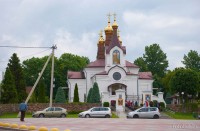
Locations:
113 87
116 57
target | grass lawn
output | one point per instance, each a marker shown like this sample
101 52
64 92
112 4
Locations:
178 115
29 115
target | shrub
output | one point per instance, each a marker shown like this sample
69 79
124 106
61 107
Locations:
162 106
74 112
151 103
106 104
155 103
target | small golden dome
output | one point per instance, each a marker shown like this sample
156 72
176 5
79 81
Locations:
115 23
101 40
119 38
109 28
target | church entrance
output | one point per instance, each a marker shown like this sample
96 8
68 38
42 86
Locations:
112 88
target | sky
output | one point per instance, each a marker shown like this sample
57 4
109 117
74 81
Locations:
74 25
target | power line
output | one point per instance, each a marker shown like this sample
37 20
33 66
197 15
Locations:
23 47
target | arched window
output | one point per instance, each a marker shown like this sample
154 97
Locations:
116 57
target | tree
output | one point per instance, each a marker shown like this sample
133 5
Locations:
41 91
9 92
156 60
89 95
66 62
76 96
141 63
95 95
18 75
185 80
60 96
192 60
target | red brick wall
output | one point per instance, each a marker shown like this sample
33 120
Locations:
4 108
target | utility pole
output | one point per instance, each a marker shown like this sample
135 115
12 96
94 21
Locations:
52 75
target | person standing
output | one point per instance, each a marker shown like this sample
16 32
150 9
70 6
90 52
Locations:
23 108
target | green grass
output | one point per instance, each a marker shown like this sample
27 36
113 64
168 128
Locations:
178 115
14 115
29 115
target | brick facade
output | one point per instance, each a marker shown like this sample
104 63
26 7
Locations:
5 108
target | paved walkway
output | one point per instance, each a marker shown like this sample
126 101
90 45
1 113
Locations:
109 124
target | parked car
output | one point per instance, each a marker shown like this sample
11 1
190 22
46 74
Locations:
96 112
145 112
51 112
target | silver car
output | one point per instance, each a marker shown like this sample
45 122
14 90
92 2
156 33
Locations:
51 112
145 112
97 112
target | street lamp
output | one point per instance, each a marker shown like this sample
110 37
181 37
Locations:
182 96
182 99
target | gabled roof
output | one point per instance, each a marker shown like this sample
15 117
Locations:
129 64
97 63
76 75
145 75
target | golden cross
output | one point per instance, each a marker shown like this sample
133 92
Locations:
100 33
114 16
109 15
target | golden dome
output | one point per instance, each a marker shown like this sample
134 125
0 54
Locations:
115 23
108 28
101 39
119 38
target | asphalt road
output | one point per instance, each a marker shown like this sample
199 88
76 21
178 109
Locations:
109 124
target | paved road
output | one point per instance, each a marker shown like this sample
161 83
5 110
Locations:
110 124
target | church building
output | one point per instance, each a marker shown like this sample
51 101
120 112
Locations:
113 73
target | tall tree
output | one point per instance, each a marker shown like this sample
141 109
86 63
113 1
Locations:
9 93
17 72
66 62
185 80
156 60
192 60
89 95
95 95
60 96
76 95
141 63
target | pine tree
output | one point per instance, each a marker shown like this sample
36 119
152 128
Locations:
17 72
9 93
89 95
41 91
76 97
95 96
60 96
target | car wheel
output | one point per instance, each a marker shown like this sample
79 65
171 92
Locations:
107 116
136 116
41 116
87 116
63 116
155 116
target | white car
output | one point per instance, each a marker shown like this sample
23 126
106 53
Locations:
96 112
145 112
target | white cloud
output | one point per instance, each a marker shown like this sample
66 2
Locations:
84 46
